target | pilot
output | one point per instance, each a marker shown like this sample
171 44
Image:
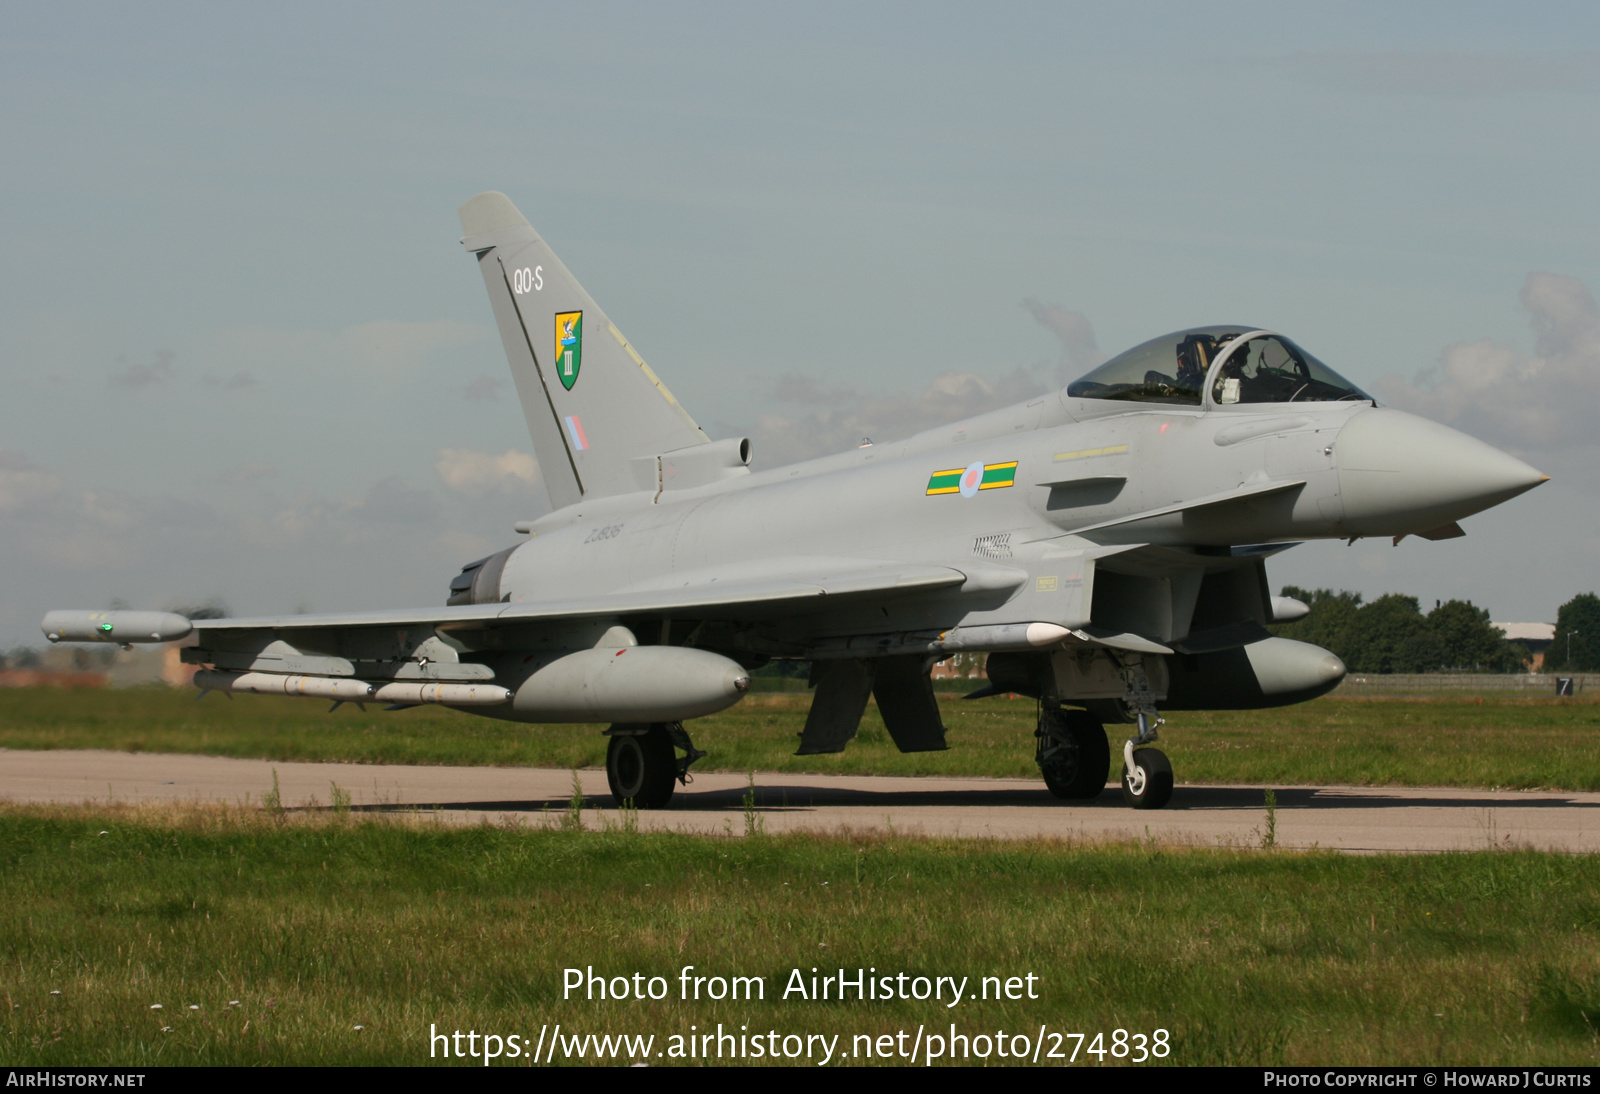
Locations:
1190 374
1194 353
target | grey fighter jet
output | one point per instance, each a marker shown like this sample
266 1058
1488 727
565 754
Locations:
1106 546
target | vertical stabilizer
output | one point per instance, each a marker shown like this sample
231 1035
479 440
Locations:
591 402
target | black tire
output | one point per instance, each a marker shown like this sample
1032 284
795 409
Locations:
1074 756
1156 770
641 767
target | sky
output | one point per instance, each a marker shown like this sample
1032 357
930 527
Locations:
246 362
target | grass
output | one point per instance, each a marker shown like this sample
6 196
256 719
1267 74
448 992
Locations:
1491 741
336 939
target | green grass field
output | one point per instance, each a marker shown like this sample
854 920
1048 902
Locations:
340 940
1490 741
318 923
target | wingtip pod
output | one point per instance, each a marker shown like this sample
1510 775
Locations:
121 627
488 212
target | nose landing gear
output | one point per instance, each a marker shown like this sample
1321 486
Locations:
1146 773
1146 777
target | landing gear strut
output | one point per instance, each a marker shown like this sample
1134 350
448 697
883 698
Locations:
642 762
1147 773
1073 755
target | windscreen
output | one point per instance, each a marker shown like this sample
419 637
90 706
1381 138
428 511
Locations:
1173 368
1272 369
1169 369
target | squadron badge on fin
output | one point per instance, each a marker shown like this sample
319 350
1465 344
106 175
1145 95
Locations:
569 346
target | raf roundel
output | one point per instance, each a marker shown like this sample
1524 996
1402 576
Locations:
971 479
967 481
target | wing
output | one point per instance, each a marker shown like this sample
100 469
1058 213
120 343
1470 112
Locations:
570 649
728 592
775 586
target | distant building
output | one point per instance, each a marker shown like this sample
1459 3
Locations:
76 666
44 678
961 666
1536 636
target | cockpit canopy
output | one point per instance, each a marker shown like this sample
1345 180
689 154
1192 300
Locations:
1266 368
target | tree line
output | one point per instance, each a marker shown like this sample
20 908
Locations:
1577 644
1391 634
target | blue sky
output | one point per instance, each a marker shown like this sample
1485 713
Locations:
246 359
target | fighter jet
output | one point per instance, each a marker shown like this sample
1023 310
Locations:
1105 545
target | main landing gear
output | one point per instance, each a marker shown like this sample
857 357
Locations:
1073 755
642 762
1146 773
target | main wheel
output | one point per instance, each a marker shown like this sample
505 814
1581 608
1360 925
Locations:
1149 784
1073 756
641 767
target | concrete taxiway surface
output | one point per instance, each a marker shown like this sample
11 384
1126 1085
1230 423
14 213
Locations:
1338 817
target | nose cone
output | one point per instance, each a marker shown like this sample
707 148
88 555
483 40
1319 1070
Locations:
1399 473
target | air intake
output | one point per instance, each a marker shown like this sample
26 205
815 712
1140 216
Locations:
479 582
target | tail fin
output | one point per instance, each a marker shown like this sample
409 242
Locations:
591 402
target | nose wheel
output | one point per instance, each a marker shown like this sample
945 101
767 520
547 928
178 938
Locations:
1146 771
1146 777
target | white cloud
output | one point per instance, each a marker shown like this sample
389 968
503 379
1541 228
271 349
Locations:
391 348
24 485
392 545
99 528
1540 404
160 374
312 519
477 474
1080 352
245 472
391 502
110 511
844 418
